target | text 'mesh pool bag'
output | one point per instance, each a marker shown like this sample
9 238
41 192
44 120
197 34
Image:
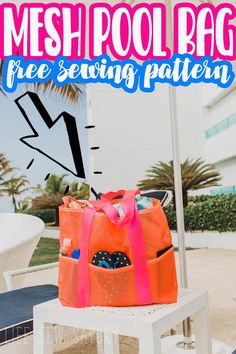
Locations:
142 235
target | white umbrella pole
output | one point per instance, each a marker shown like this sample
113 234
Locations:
178 190
179 208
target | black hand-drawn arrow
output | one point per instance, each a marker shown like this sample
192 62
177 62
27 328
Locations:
44 134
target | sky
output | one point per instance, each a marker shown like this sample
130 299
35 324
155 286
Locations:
13 126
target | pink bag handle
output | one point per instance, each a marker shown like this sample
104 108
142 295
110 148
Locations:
128 205
132 221
83 289
111 195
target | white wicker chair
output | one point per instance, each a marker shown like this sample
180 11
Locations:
39 275
15 279
19 236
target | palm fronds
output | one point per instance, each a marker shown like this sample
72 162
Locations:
51 196
70 92
196 174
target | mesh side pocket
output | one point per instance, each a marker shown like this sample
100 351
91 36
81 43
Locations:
163 278
67 281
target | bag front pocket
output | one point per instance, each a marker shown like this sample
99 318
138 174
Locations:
117 287
114 287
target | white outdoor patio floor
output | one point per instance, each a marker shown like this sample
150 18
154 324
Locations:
214 270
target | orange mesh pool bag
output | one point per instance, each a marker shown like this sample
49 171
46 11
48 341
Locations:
143 236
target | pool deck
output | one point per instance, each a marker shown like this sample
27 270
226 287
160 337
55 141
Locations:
214 270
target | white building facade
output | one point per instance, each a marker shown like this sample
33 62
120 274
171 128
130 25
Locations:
219 115
133 132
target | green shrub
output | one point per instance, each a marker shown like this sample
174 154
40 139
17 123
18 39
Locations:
47 215
207 213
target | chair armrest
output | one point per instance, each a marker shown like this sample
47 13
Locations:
38 275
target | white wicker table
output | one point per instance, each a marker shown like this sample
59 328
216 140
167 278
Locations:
147 323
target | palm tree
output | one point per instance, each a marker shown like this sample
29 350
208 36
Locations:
5 169
54 184
196 174
51 197
15 187
82 192
23 206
